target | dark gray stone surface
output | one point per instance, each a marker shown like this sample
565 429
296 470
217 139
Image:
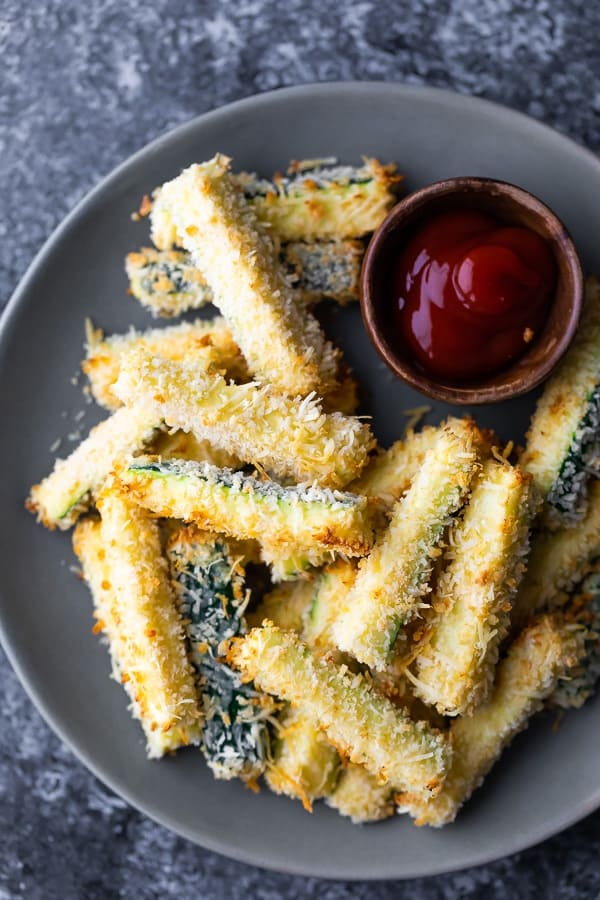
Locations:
81 87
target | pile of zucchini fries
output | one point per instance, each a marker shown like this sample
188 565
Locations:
426 600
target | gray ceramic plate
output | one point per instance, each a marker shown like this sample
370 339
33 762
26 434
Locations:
547 780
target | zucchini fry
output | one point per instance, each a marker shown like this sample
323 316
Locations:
134 608
558 561
282 343
206 341
316 200
473 597
324 270
563 442
209 584
330 593
538 657
360 797
390 473
167 283
243 506
288 562
70 488
291 438
583 608
285 606
362 724
304 764
182 445
393 580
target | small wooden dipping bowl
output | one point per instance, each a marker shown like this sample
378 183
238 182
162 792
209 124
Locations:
511 205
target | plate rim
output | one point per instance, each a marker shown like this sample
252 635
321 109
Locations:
469 860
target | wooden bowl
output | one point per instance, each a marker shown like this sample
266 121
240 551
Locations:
511 205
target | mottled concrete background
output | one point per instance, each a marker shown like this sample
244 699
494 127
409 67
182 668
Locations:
83 85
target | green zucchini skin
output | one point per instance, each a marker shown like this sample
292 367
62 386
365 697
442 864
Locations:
211 593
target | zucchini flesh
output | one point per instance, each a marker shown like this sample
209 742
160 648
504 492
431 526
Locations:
282 343
363 724
539 656
392 581
123 565
304 764
69 490
292 438
329 601
454 669
243 506
210 588
563 442
167 283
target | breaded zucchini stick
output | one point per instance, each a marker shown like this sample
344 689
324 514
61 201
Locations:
123 566
243 506
210 586
563 442
316 200
324 270
304 764
205 341
282 343
285 606
288 562
390 473
292 438
69 489
167 283
558 561
330 592
583 608
539 656
361 723
473 597
182 445
360 797
393 580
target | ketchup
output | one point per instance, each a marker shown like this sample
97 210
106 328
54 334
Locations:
470 294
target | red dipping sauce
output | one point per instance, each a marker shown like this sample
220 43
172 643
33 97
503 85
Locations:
470 294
